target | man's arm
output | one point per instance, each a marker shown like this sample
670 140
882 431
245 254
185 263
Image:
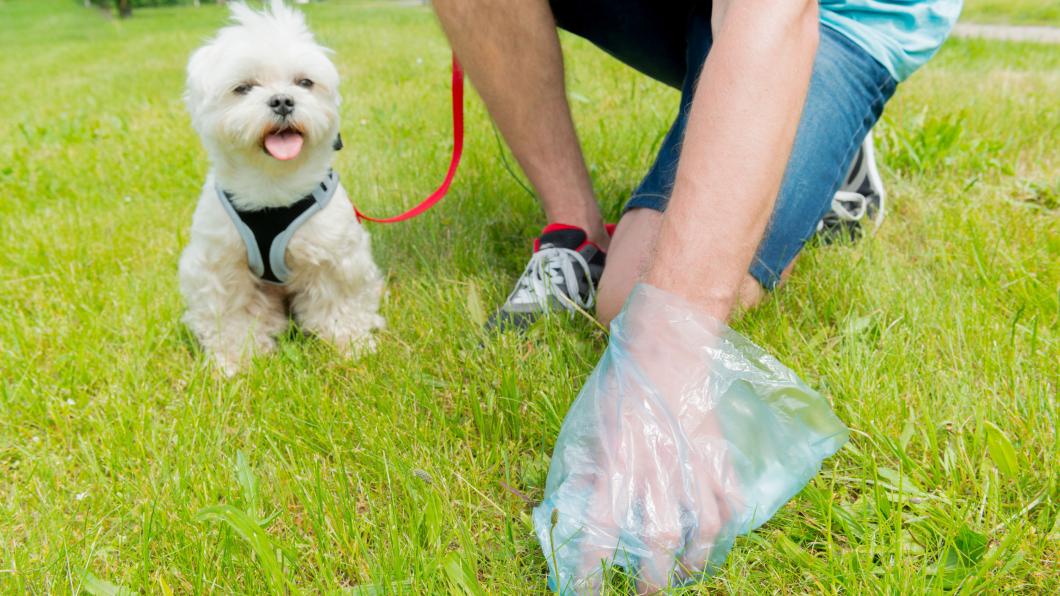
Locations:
740 132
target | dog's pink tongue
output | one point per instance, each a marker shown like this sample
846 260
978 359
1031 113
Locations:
285 145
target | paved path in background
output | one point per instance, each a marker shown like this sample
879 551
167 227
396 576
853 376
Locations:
1041 34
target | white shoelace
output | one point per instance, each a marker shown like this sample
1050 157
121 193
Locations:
849 206
554 268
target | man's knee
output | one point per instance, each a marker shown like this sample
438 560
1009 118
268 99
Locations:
751 293
627 260
617 282
608 304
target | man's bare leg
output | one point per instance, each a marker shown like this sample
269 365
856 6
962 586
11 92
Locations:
511 52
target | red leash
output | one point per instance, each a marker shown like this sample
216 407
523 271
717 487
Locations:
454 161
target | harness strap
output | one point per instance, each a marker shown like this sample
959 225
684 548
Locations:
454 160
267 232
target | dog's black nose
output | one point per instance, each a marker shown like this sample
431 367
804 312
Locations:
282 104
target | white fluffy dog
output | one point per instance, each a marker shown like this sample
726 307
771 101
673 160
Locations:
273 230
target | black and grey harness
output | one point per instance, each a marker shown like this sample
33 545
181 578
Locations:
266 232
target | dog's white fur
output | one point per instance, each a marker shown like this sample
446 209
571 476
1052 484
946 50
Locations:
335 288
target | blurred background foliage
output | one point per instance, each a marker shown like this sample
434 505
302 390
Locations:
125 7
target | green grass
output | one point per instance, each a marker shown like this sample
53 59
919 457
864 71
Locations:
125 462
1015 12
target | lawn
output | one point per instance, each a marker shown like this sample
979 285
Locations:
125 462
1014 12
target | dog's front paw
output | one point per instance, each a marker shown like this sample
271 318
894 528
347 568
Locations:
233 355
353 336
228 365
357 347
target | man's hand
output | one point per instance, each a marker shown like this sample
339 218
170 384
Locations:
684 436
642 489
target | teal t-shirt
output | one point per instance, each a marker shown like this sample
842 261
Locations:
901 34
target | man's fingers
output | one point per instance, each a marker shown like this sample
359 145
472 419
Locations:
717 495
654 572
599 542
660 490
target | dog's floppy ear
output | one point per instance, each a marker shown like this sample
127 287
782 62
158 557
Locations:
337 145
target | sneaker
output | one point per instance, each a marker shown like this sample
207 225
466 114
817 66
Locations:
859 203
561 276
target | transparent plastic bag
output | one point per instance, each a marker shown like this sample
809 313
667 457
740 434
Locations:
685 436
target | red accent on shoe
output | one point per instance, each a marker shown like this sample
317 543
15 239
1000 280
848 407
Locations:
556 227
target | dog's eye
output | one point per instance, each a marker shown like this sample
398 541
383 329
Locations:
305 84
243 89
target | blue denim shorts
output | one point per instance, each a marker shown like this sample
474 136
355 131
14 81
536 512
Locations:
669 41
